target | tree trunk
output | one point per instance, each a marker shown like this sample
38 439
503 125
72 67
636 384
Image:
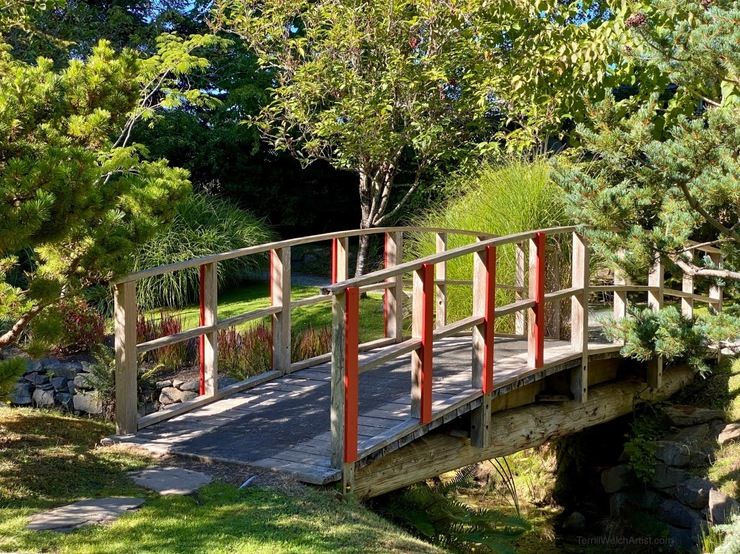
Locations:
13 334
366 221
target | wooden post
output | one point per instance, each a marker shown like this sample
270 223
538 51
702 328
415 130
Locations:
440 278
280 296
484 304
124 314
620 296
351 373
687 285
422 327
339 259
393 296
655 301
521 264
580 278
536 342
209 341
715 291
338 362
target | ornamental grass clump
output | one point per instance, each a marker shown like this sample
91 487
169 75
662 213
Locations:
173 356
244 354
311 342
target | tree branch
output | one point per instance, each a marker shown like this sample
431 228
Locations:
695 270
706 215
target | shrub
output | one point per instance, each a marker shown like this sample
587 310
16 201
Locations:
172 356
311 342
82 327
203 225
101 377
517 196
244 354
10 372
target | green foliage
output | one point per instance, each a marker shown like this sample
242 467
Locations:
648 333
432 512
730 536
660 173
516 197
202 225
646 428
101 376
10 372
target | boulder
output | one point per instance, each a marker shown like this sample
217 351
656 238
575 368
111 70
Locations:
673 453
21 395
172 395
721 507
65 400
61 368
177 382
681 540
71 387
82 381
666 477
90 403
683 416
679 515
729 433
36 379
59 383
619 504
694 492
33 366
43 398
616 478
192 385
163 384
576 521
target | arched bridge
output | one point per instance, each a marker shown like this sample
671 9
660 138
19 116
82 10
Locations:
432 394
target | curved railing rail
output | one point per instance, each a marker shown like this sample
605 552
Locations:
429 321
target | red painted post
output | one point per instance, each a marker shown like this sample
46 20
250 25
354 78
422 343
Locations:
202 338
334 248
272 320
351 372
422 328
538 295
386 299
490 322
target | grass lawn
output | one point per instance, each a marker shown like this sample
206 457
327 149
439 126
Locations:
253 296
48 459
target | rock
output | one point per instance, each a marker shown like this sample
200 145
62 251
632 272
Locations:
36 379
729 433
618 504
33 366
684 416
90 403
107 441
666 476
721 507
646 499
673 453
177 382
21 396
171 395
575 522
62 368
65 400
681 540
677 514
84 512
694 492
170 480
82 381
616 478
224 382
59 383
71 387
163 384
691 436
43 398
192 385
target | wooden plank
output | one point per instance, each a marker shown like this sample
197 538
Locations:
687 286
457 326
580 278
249 316
338 352
124 317
536 319
339 259
175 338
561 294
440 280
393 295
519 282
422 328
309 300
280 296
314 475
388 353
351 373
484 304
715 290
209 351
655 301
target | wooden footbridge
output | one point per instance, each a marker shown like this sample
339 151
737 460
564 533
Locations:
426 398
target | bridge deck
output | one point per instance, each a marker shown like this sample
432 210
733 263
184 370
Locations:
283 425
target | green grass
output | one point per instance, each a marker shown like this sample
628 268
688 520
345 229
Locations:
253 296
48 459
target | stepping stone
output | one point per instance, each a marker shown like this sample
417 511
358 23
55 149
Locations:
170 480
85 512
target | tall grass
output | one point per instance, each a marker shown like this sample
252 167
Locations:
517 196
203 225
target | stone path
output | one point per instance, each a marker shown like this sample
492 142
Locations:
85 512
170 480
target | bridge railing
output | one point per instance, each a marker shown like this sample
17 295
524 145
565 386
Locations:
429 323
429 316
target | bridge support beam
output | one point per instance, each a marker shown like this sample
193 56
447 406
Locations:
511 431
